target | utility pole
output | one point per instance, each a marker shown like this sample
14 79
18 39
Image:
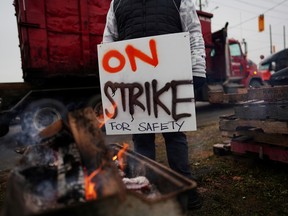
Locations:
284 36
271 49
200 5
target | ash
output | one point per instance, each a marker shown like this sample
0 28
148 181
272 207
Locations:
139 184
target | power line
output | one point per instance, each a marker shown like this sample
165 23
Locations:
252 18
274 6
259 6
251 11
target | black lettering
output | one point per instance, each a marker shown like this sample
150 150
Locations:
155 125
180 125
141 127
123 95
164 126
133 97
120 126
149 128
175 100
136 90
126 126
115 111
148 101
156 99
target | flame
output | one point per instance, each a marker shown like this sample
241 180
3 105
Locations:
90 192
101 116
120 155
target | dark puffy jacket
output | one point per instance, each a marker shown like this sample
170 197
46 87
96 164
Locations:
141 18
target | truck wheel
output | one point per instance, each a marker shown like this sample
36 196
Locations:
4 125
40 114
4 129
96 104
255 84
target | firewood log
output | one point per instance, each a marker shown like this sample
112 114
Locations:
95 154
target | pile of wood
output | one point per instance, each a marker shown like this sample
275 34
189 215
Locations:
71 170
70 165
259 124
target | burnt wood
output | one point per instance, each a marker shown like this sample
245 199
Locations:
89 139
95 154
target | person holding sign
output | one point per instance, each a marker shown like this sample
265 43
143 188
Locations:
135 19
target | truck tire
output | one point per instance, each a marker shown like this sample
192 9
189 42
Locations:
255 84
96 104
4 129
40 114
4 125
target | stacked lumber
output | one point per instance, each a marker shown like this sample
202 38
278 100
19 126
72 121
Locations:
259 125
265 93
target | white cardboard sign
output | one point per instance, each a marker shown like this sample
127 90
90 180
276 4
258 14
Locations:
146 85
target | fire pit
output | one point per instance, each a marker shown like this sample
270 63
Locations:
50 179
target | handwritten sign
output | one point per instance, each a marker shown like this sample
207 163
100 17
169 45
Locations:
146 85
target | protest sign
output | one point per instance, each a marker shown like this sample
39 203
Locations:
146 85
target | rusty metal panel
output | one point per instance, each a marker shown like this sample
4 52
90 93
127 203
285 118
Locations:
59 38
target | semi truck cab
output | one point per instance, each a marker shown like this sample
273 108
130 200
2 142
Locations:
273 63
226 63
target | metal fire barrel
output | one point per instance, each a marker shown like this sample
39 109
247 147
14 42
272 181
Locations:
171 201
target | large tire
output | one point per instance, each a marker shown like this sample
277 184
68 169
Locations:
96 104
4 125
4 129
40 114
255 84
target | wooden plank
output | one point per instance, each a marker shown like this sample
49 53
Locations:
263 150
232 123
274 93
262 110
272 139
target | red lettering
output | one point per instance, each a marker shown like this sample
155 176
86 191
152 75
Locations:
132 53
113 54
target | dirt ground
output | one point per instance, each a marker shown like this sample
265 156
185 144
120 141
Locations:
230 184
234 184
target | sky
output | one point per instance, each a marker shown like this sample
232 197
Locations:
242 16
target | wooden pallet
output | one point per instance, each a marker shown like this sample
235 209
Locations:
262 110
259 123
276 93
233 124
264 151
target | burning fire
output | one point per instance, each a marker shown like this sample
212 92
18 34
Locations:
90 192
120 157
110 116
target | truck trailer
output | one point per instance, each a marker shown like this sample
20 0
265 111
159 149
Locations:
58 45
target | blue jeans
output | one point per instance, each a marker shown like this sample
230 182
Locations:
176 148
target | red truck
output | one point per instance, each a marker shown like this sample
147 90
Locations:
228 68
58 45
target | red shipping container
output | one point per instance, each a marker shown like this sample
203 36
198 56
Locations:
59 38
